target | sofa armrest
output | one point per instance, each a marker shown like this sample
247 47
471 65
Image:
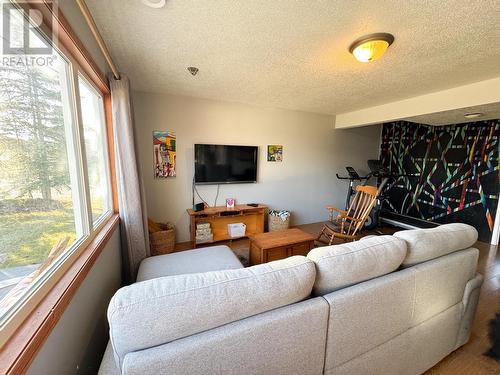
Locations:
469 301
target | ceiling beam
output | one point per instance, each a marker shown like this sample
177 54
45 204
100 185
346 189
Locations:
478 93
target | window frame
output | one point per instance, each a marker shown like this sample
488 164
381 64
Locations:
42 307
78 168
80 75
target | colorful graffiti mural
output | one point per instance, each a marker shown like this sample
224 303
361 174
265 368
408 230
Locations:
451 173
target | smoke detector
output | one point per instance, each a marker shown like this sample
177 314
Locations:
193 70
156 4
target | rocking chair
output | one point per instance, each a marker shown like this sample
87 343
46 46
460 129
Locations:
347 224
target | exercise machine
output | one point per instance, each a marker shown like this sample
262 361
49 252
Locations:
352 177
386 181
378 171
382 174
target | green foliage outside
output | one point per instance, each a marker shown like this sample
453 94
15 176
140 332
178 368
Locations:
26 238
36 209
33 164
31 132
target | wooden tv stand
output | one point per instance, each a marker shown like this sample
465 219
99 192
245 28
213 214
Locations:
220 217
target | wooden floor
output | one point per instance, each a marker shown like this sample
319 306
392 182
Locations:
467 360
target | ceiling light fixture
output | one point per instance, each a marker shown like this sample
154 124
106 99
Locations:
371 47
156 4
474 115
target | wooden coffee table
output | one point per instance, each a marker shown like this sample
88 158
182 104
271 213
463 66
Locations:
266 247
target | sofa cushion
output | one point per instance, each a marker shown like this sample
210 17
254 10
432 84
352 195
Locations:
108 365
339 266
214 258
161 310
289 340
440 283
427 244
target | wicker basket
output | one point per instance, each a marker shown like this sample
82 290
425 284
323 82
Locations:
162 241
276 223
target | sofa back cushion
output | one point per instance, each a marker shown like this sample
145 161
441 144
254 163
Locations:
343 265
427 244
161 310
285 341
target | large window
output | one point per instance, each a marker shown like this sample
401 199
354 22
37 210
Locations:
54 174
94 131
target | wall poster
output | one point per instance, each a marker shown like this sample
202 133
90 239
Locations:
164 154
275 153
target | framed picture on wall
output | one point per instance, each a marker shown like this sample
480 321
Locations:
275 153
164 154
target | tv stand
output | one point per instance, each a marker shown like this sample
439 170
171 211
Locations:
220 217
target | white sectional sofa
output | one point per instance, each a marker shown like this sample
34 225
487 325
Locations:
383 305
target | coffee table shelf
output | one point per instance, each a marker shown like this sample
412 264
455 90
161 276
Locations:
266 247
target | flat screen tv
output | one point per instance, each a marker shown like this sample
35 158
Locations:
224 164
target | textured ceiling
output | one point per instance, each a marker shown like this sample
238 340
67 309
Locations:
489 111
293 54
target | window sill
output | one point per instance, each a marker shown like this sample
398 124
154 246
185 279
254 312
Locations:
22 346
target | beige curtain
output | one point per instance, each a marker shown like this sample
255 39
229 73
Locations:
133 216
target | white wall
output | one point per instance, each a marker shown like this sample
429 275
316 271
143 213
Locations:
471 95
303 183
75 18
77 342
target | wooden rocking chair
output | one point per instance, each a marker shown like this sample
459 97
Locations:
347 224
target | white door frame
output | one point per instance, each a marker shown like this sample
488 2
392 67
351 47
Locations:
496 226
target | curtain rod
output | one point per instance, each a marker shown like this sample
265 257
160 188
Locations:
95 31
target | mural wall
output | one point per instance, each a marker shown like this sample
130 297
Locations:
451 172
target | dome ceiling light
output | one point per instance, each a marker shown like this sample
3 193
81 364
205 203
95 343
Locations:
371 47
